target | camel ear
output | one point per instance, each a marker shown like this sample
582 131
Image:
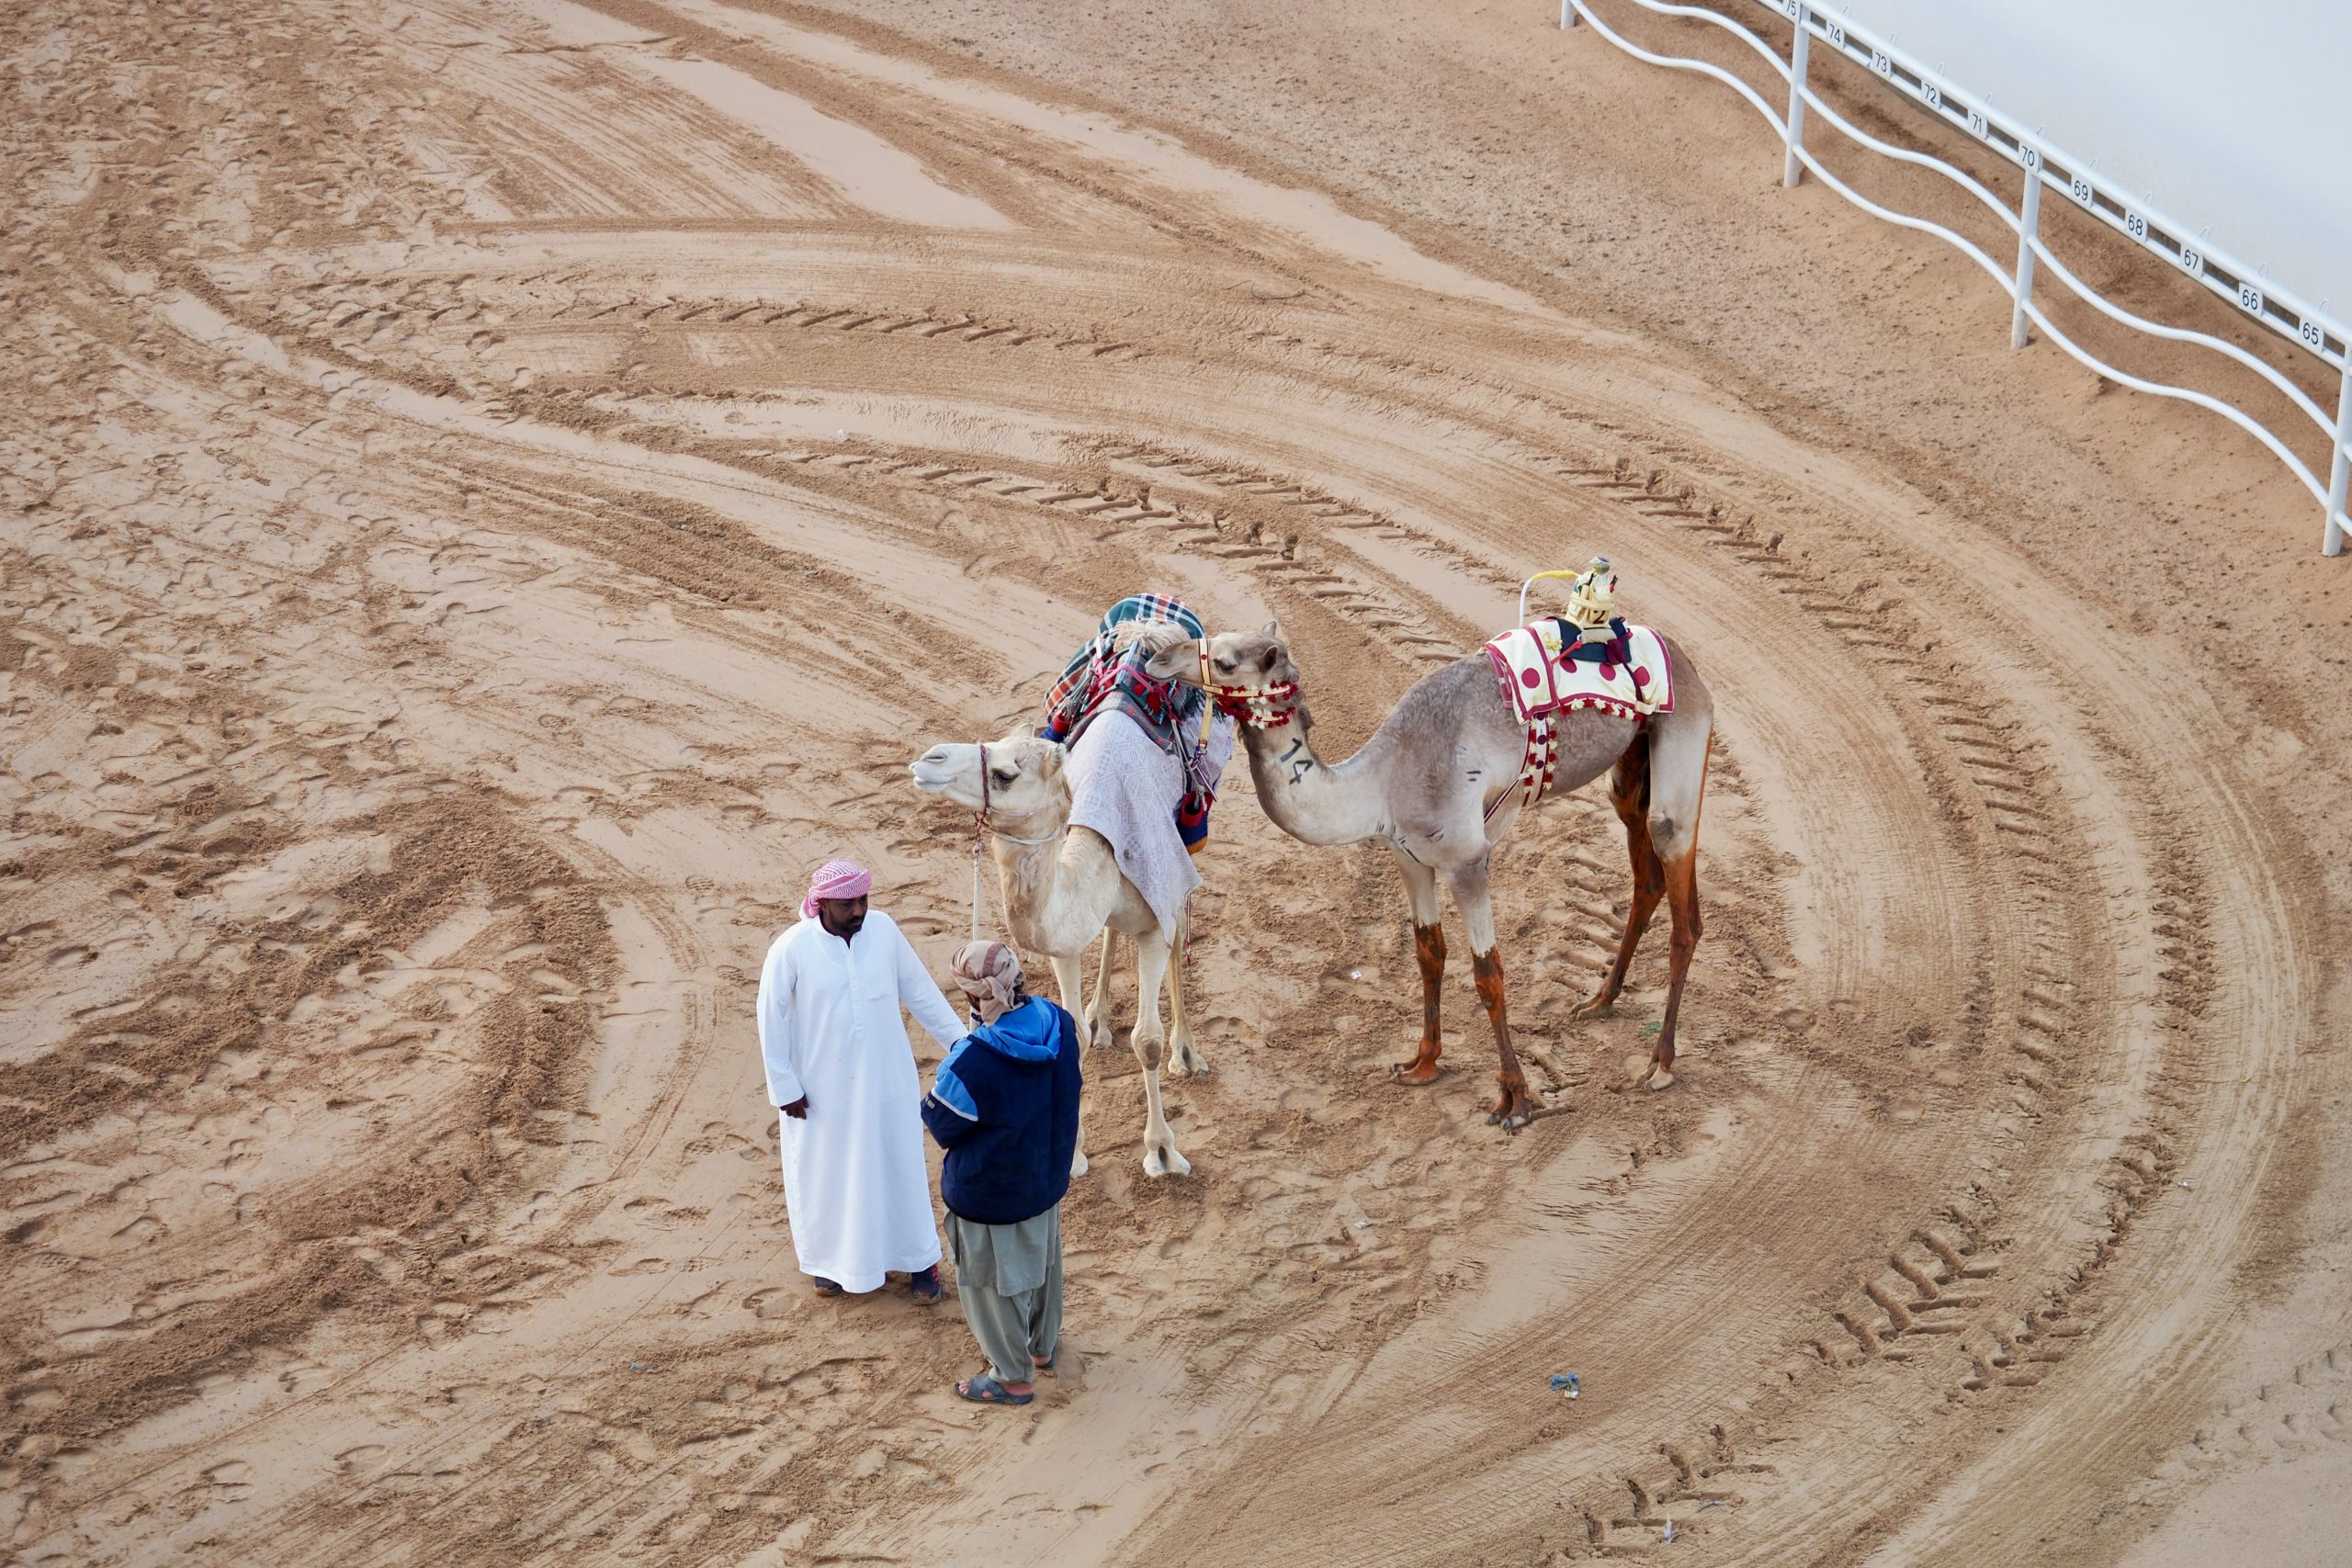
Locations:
1168 657
1049 762
1157 638
1273 629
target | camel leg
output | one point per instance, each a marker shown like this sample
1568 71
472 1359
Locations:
1629 793
1069 975
1678 788
1429 950
1159 1155
1515 1107
1183 1052
1098 1006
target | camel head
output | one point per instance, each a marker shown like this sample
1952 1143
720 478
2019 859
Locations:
1249 673
1024 776
1249 661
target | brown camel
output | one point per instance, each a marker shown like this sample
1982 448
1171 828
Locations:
1448 753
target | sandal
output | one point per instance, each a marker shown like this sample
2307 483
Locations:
924 1287
982 1389
825 1287
1046 1365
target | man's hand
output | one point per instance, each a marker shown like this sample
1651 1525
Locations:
797 1110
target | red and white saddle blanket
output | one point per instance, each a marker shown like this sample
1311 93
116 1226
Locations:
1633 677
1543 672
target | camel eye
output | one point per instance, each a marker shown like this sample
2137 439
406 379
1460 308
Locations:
1224 661
1267 662
1004 776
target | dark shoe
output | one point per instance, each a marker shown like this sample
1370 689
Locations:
826 1287
985 1390
924 1287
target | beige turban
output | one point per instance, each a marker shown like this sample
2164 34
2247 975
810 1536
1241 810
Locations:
989 974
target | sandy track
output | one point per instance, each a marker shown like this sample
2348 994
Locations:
508 488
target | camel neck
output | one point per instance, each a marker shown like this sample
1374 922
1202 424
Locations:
1312 800
1050 886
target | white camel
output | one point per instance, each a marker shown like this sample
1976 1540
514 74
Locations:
1062 889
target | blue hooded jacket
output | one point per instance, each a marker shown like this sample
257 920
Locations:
1005 1107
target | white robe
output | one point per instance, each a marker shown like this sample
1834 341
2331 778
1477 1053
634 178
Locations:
855 1184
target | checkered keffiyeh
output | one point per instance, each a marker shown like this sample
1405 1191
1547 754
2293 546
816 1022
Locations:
1100 677
836 879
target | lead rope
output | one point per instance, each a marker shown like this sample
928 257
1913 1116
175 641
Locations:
979 828
976 882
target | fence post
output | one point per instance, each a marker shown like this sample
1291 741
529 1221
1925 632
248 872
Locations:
1793 170
2029 221
1567 14
2340 468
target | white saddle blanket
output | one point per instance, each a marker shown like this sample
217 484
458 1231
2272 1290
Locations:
1125 788
1635 681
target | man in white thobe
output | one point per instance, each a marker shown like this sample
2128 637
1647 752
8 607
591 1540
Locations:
840 1070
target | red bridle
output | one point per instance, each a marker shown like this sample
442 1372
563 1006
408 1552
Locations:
988 809
1259 707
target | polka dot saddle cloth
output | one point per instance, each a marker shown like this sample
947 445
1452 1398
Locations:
1544 671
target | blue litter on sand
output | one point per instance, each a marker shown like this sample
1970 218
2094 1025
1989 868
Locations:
1566 1381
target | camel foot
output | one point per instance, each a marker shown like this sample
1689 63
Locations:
1165 1161
1185 1059
1515 1110
1595 1007
1099 1035
1661 1078
1419 1070
1077 1163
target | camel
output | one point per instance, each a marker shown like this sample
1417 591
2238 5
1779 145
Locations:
1062 889
1449 751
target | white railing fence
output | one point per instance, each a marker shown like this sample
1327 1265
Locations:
2293 319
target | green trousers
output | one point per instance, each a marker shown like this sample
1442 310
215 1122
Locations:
1010 1279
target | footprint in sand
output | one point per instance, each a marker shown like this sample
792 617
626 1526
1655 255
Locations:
232 1478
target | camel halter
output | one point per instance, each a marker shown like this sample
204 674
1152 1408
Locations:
1259 707
981 826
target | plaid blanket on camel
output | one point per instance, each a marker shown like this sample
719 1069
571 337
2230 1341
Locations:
1099 678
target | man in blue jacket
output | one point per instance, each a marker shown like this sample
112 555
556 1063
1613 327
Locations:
1005 1107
